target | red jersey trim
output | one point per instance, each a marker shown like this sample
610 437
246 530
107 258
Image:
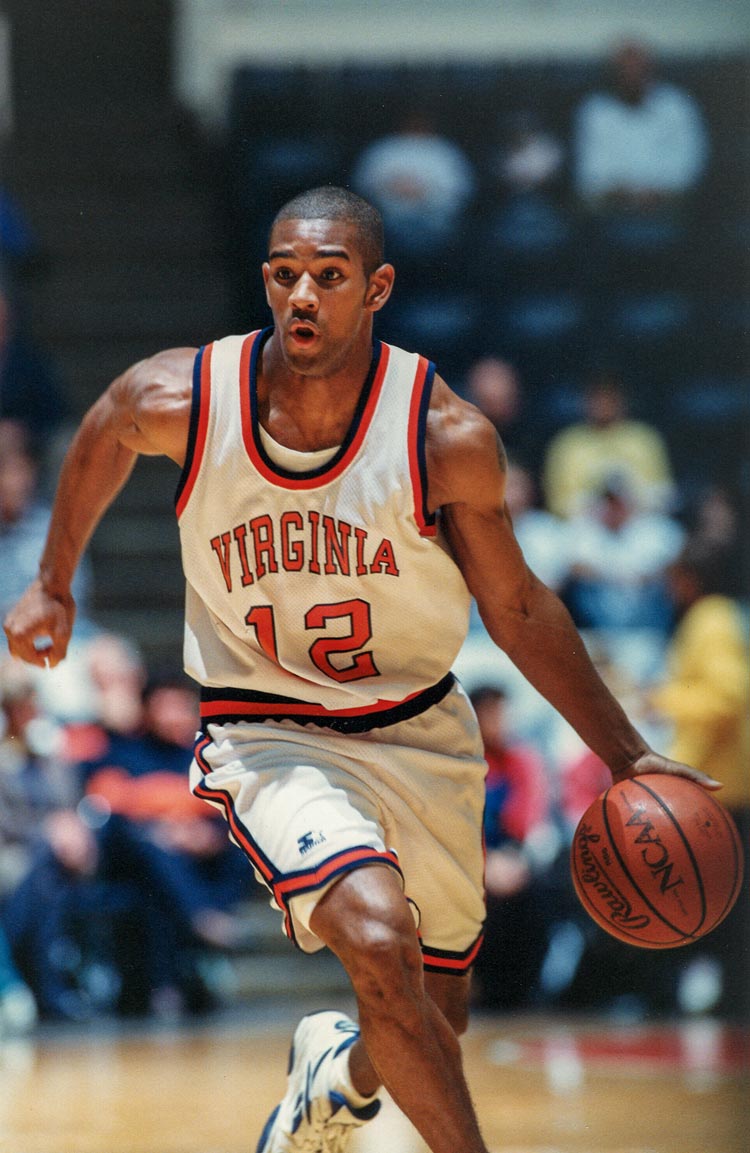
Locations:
442 961
227 706
356 435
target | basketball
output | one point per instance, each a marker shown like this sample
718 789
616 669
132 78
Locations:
657 861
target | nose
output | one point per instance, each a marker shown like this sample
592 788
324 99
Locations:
304 294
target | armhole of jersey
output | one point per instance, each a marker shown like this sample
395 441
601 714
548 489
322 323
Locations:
420 406
199 411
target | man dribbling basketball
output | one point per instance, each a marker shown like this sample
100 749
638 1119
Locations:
338 505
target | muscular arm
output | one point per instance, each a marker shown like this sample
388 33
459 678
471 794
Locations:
146 410
466 468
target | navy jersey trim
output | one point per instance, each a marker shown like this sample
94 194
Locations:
424 408
322 470
195 413
232 706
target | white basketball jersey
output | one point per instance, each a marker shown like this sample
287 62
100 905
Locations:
326 595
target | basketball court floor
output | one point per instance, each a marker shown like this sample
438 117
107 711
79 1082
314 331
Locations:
541 1085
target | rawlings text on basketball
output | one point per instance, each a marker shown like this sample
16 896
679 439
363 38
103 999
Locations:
592 875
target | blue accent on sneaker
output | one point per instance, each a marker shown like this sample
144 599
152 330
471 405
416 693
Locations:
363 1113
347 1043
311 1103
267 1131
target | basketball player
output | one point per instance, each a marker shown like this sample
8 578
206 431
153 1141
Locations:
338 504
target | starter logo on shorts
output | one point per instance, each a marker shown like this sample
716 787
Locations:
309 840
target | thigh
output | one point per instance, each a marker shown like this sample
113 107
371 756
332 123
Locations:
295 806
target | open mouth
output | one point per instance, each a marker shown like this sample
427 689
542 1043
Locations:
303 332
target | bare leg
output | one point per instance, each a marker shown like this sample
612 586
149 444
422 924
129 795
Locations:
450 994
408 1043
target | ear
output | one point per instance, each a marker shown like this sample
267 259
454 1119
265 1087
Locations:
379 287
266 270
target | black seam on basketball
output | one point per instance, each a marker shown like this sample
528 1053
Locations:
687 936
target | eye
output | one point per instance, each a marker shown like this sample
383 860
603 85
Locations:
282 273
331 274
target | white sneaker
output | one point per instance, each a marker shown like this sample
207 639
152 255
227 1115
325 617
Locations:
315 1116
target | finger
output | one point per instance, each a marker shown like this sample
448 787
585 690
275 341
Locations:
676 769
700 778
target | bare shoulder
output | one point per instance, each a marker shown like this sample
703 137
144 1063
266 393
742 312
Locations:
154 398
158 379
465 457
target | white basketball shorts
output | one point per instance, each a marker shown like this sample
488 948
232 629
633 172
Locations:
308 804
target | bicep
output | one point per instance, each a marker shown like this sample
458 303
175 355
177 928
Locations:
467 470
485 548
152 403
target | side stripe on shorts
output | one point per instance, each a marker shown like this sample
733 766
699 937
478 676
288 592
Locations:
445 961
285 886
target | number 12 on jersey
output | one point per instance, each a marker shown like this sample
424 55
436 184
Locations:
319 617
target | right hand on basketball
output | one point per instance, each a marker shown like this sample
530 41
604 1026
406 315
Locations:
39 625
651 762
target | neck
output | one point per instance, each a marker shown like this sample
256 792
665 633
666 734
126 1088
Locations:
309 412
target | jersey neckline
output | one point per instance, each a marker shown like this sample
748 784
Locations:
350 445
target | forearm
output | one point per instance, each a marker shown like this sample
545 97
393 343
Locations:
545 645
95 468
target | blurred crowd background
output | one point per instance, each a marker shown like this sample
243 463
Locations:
569 222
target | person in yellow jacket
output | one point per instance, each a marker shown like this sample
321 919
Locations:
707 692
706 696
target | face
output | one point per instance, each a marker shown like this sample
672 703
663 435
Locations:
491 717
172 715
321 299
632 67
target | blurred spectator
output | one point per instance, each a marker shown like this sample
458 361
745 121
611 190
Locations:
707 691
29 389
714 525
618 561
114 677
421 182
706 696
639 144
530 159
607 442
36 791
527 228
24 518
495 387
522 843
131 881
34 780
175 850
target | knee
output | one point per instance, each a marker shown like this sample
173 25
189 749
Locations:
383 958
371 929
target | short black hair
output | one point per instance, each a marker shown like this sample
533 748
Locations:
332 203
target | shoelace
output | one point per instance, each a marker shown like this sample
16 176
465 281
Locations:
321 1134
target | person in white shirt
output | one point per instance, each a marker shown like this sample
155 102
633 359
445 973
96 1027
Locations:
421 182
640 144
